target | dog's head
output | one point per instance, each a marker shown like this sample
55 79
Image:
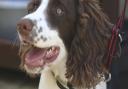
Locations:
49 25
72 31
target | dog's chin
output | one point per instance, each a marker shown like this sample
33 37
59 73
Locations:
35 59
33 71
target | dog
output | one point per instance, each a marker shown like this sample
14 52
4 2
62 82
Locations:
65 41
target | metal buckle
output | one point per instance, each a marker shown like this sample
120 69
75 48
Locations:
108 77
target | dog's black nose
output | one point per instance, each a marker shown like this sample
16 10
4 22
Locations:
25 26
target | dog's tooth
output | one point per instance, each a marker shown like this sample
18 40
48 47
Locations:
53 48
47 52
50 50
56 51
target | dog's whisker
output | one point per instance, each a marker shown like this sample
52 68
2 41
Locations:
15 42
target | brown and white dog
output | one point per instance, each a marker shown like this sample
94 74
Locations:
65 41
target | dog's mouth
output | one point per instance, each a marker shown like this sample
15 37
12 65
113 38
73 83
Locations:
38 57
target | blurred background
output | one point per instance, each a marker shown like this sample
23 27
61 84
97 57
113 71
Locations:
10 75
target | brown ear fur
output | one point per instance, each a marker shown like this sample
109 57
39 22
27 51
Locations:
87 57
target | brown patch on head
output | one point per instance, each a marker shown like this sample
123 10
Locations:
62 14
33 5
87 57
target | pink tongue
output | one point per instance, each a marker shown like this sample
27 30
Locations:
35 57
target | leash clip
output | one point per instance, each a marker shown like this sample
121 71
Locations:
108 77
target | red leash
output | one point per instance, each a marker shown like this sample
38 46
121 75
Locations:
115 34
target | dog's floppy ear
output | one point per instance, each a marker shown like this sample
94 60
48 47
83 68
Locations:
87 56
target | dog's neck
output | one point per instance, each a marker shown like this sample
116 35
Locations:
50 79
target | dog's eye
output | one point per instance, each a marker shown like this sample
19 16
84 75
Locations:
59 11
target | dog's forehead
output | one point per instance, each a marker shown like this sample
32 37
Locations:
66 3
34 5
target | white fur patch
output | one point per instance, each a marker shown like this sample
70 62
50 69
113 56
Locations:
101 85
47 80
51 34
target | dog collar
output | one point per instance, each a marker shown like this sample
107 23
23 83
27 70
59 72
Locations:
62 85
